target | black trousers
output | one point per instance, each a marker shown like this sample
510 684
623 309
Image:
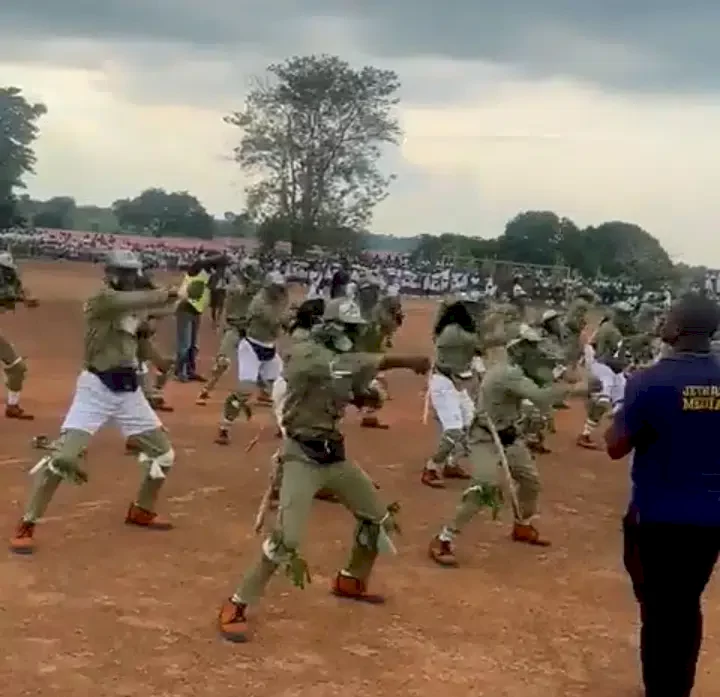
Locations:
669 566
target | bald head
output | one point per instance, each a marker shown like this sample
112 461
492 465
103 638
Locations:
692 321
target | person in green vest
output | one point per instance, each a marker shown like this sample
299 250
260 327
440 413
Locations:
196 291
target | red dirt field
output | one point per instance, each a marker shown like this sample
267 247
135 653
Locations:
108 611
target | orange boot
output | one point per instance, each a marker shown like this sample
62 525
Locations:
145 519
442 552
584 440
528 533
15 411
352 588
455 471
432 477
223 436
232 622
22 541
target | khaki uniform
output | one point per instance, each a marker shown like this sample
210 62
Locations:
372 338
575 323
537 363
605 379
502 392
238 297
393 317
13 364
320 384
107 390
259 364
450 388
150 356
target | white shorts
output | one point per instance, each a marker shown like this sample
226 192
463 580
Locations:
613 384
279 389
251 368
454 408
94 405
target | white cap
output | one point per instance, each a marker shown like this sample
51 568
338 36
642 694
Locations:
275 278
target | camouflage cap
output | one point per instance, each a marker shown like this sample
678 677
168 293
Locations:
123 259
343 310
7 261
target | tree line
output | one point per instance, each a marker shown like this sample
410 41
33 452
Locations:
311 134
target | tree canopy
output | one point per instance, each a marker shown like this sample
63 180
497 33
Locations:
162 213
18 131
313 132
542 237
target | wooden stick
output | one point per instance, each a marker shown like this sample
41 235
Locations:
264 506
509 482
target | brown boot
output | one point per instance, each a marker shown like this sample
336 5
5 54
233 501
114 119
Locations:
354 589
145 519
432 478
15 411
232 622
529 535
203 398
327 495
22 541
538 448
264 400
159 404
372 421
132 448
454 471
585 441
223 437
442 552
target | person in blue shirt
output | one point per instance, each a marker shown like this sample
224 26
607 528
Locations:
669 424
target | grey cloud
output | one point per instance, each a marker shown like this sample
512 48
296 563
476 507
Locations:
658 45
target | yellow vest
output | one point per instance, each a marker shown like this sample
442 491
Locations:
202 302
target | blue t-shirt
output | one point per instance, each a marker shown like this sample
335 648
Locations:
672 415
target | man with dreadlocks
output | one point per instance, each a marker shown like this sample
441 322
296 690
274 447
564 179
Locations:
606 359
339 284
456 345
499 408
324 374
244 285
12 292
258 362
107 390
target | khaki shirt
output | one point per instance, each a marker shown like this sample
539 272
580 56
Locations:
112 319
576 317
502 391
237 302
320 385
265 320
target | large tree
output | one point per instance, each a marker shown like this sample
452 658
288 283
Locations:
162 213
313 133
543 237
18 131
56 212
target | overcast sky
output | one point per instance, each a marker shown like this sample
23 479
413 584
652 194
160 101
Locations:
597 110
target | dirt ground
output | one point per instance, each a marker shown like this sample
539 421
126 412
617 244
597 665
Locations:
108 611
